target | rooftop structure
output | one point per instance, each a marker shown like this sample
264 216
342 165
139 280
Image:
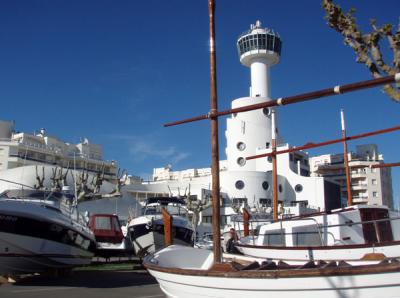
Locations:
20 149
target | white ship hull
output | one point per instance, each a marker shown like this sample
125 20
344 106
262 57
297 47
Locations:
186 272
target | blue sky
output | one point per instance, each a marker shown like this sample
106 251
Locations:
115 71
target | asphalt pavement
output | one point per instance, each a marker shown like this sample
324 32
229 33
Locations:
86 283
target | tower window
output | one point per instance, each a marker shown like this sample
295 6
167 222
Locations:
241 146
239 184
280 188
241 161
265 185
266 111
298 188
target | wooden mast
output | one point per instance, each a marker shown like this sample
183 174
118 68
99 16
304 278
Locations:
274 169
214 139
346 161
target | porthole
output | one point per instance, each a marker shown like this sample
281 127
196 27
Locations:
239 184
265 185
241 146
280 187
266 111
298 188
241 161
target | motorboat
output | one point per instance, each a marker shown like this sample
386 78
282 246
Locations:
146 232
110 240
42 230
347 234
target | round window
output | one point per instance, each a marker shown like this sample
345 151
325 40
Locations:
280 187
241 146
266 111
298 188
265 185
239 184
241 161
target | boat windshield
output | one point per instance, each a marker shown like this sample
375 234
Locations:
173 209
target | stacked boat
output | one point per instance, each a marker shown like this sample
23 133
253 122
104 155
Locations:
40 230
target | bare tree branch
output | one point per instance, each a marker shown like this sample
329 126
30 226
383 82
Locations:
367 46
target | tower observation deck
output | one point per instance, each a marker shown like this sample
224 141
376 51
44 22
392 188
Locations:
259 48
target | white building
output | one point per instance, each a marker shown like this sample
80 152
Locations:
372 186
247 134
22 149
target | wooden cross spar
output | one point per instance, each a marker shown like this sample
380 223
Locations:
296 98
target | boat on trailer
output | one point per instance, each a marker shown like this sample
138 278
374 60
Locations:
146 232
347 234
42 230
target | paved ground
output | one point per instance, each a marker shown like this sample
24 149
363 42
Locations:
86 283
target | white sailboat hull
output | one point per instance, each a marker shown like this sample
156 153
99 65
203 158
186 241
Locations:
181 274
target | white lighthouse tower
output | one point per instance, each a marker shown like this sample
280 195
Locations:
259 48
249 133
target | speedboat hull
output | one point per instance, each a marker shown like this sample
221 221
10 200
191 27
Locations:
35 238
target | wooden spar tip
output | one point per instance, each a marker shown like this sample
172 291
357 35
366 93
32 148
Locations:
336 90
326 143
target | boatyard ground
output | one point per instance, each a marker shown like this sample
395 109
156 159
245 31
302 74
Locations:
96 281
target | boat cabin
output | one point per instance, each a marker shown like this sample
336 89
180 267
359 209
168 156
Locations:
353 225
106 228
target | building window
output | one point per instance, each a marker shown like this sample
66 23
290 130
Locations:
241 161
374 182
265 185
266 111
298 188
269 158
239 184
280 187
241 146
375 194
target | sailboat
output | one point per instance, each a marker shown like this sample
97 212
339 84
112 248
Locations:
190 272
